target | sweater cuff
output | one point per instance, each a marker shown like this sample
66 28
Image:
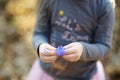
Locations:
83 56
37 45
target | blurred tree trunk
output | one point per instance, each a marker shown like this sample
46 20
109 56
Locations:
2 4
112 63
117 29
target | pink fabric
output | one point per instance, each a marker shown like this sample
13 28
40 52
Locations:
37 73
100 75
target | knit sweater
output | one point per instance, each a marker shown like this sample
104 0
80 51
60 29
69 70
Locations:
89 22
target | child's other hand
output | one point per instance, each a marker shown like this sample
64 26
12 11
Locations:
73 52
47 53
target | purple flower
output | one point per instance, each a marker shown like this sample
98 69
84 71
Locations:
60 51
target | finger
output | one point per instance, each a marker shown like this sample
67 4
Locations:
49 58
49 47
67 46
71 57
49 52
70 51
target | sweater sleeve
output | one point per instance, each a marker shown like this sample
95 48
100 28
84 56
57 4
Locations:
102 37
41 30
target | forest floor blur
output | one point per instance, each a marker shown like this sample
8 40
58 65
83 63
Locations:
16 52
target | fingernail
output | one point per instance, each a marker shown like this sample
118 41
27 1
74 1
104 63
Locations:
44 51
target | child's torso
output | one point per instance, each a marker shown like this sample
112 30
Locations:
72 21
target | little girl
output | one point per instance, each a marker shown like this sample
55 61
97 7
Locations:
82 28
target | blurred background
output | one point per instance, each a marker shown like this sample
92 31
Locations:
17 19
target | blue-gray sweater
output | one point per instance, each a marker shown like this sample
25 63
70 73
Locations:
89 22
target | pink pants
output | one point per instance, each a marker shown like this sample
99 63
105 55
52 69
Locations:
36 73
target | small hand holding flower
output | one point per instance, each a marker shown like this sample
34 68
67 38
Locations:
47 53
73 52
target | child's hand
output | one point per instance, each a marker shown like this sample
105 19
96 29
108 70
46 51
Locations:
47 53
73 52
